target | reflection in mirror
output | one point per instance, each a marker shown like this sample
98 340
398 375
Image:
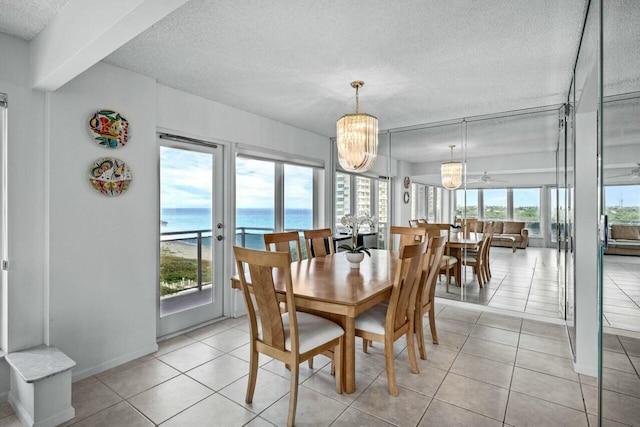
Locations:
510 164
620 384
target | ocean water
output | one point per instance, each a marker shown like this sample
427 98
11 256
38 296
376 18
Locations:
251 224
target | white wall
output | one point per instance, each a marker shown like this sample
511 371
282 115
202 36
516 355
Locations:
23 323
102 250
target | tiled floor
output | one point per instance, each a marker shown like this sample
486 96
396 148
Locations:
622 292
524 281
489 370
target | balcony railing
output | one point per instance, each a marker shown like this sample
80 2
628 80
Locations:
181 276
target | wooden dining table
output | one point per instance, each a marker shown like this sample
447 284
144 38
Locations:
329 287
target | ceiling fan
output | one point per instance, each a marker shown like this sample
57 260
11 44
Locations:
485 179
633 173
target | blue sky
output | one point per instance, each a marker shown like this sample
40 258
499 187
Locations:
185 178
186 181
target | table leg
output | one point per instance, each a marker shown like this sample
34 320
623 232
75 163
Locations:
349 371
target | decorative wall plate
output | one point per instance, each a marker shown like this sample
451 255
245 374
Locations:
109 129
406 197
407 182
110 176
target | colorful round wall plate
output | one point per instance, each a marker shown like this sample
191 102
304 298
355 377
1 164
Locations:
109 129
110 176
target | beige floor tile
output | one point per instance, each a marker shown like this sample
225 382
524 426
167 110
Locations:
499 321
545 345
259 422
482 398
542 329
169 398
620 407
269 388
590 396
443 414
220 372
325 383
138 378
277 367
172 344
243 352
547 387
371 364
426 382
215 410
455 326
544 313
313 409
228 340
446 339
621 382
612 343
618 361
353 417
209 330
404 410
593 422
5 410
500 336
462 315
527 411
11 421
119 415
437 357
90 396
631 345
484 370
189 357
546 363
490 350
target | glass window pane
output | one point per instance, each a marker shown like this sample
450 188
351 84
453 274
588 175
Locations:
343 194
382 219
526 208
363 195
298 197
438 204
495 204
418 201
471 203
622 203
255 201
431 214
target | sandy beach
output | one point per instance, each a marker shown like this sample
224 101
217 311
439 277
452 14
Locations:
184 250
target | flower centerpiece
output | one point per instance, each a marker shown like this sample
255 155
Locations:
355 252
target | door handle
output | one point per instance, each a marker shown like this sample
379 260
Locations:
219 237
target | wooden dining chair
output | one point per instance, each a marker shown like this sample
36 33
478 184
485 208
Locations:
316 242
422 221
449 262
282 243
425 299
386 323
290 337
408 235
478 260
413 223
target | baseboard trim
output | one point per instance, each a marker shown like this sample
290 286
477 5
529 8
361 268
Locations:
586 369
85 373
20 411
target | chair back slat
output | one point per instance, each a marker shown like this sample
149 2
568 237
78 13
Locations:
405 286
282 243
261 266
430 269
316 244
408 235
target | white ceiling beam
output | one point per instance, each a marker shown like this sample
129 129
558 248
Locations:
85 32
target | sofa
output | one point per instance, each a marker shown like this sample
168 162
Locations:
503 231
624 240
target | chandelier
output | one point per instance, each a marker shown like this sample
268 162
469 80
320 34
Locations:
357 138
451 173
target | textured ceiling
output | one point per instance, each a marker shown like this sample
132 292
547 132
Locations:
26 18
423 61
